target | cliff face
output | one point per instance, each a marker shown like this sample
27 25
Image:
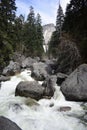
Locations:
48 29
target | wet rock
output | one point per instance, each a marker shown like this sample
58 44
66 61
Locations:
85 118
12 69
66 108
75 86
31 102
40 71
48 85
15 107
6 124
29 89
51 105
4 78
60 78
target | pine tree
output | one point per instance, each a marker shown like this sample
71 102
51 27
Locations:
55 39
7 16
59 19
18 33
75 24
39 31
7 12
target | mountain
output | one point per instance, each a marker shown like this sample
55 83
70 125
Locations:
48 29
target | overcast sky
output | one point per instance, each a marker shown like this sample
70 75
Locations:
46 8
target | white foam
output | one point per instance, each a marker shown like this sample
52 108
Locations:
39 116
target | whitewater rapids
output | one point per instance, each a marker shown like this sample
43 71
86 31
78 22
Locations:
29 114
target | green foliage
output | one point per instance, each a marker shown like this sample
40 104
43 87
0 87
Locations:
33 36
59 19
17 34
7 16
55 39
75 24
39 33
53 45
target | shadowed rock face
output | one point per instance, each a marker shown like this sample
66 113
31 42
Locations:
75 86
6 124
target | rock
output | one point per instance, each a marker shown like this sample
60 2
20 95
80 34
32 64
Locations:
68 57
65 108
75 86
19 58
29 89
6 124
48 85
15 107
28 62
40 71
51 105
4 78
85 117
60 78
12 69
48 29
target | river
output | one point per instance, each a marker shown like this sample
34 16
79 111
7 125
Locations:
44 114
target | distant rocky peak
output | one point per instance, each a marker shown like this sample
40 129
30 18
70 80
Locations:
48 29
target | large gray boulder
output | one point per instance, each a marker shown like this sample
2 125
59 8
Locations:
29 89
6 124
40 71
12 69
75 86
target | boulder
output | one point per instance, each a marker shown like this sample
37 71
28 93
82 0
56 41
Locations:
12 69
4 78
48 85
75 86
19 58
64 109
29 89
28 62
6 124
60 78
40 71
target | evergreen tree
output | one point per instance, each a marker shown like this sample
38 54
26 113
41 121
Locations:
33 37
75 24
55 39
30 33
18 33
7 16
59 19
39 31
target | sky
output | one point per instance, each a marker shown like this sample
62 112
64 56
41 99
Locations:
46 8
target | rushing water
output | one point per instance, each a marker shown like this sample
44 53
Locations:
41 115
